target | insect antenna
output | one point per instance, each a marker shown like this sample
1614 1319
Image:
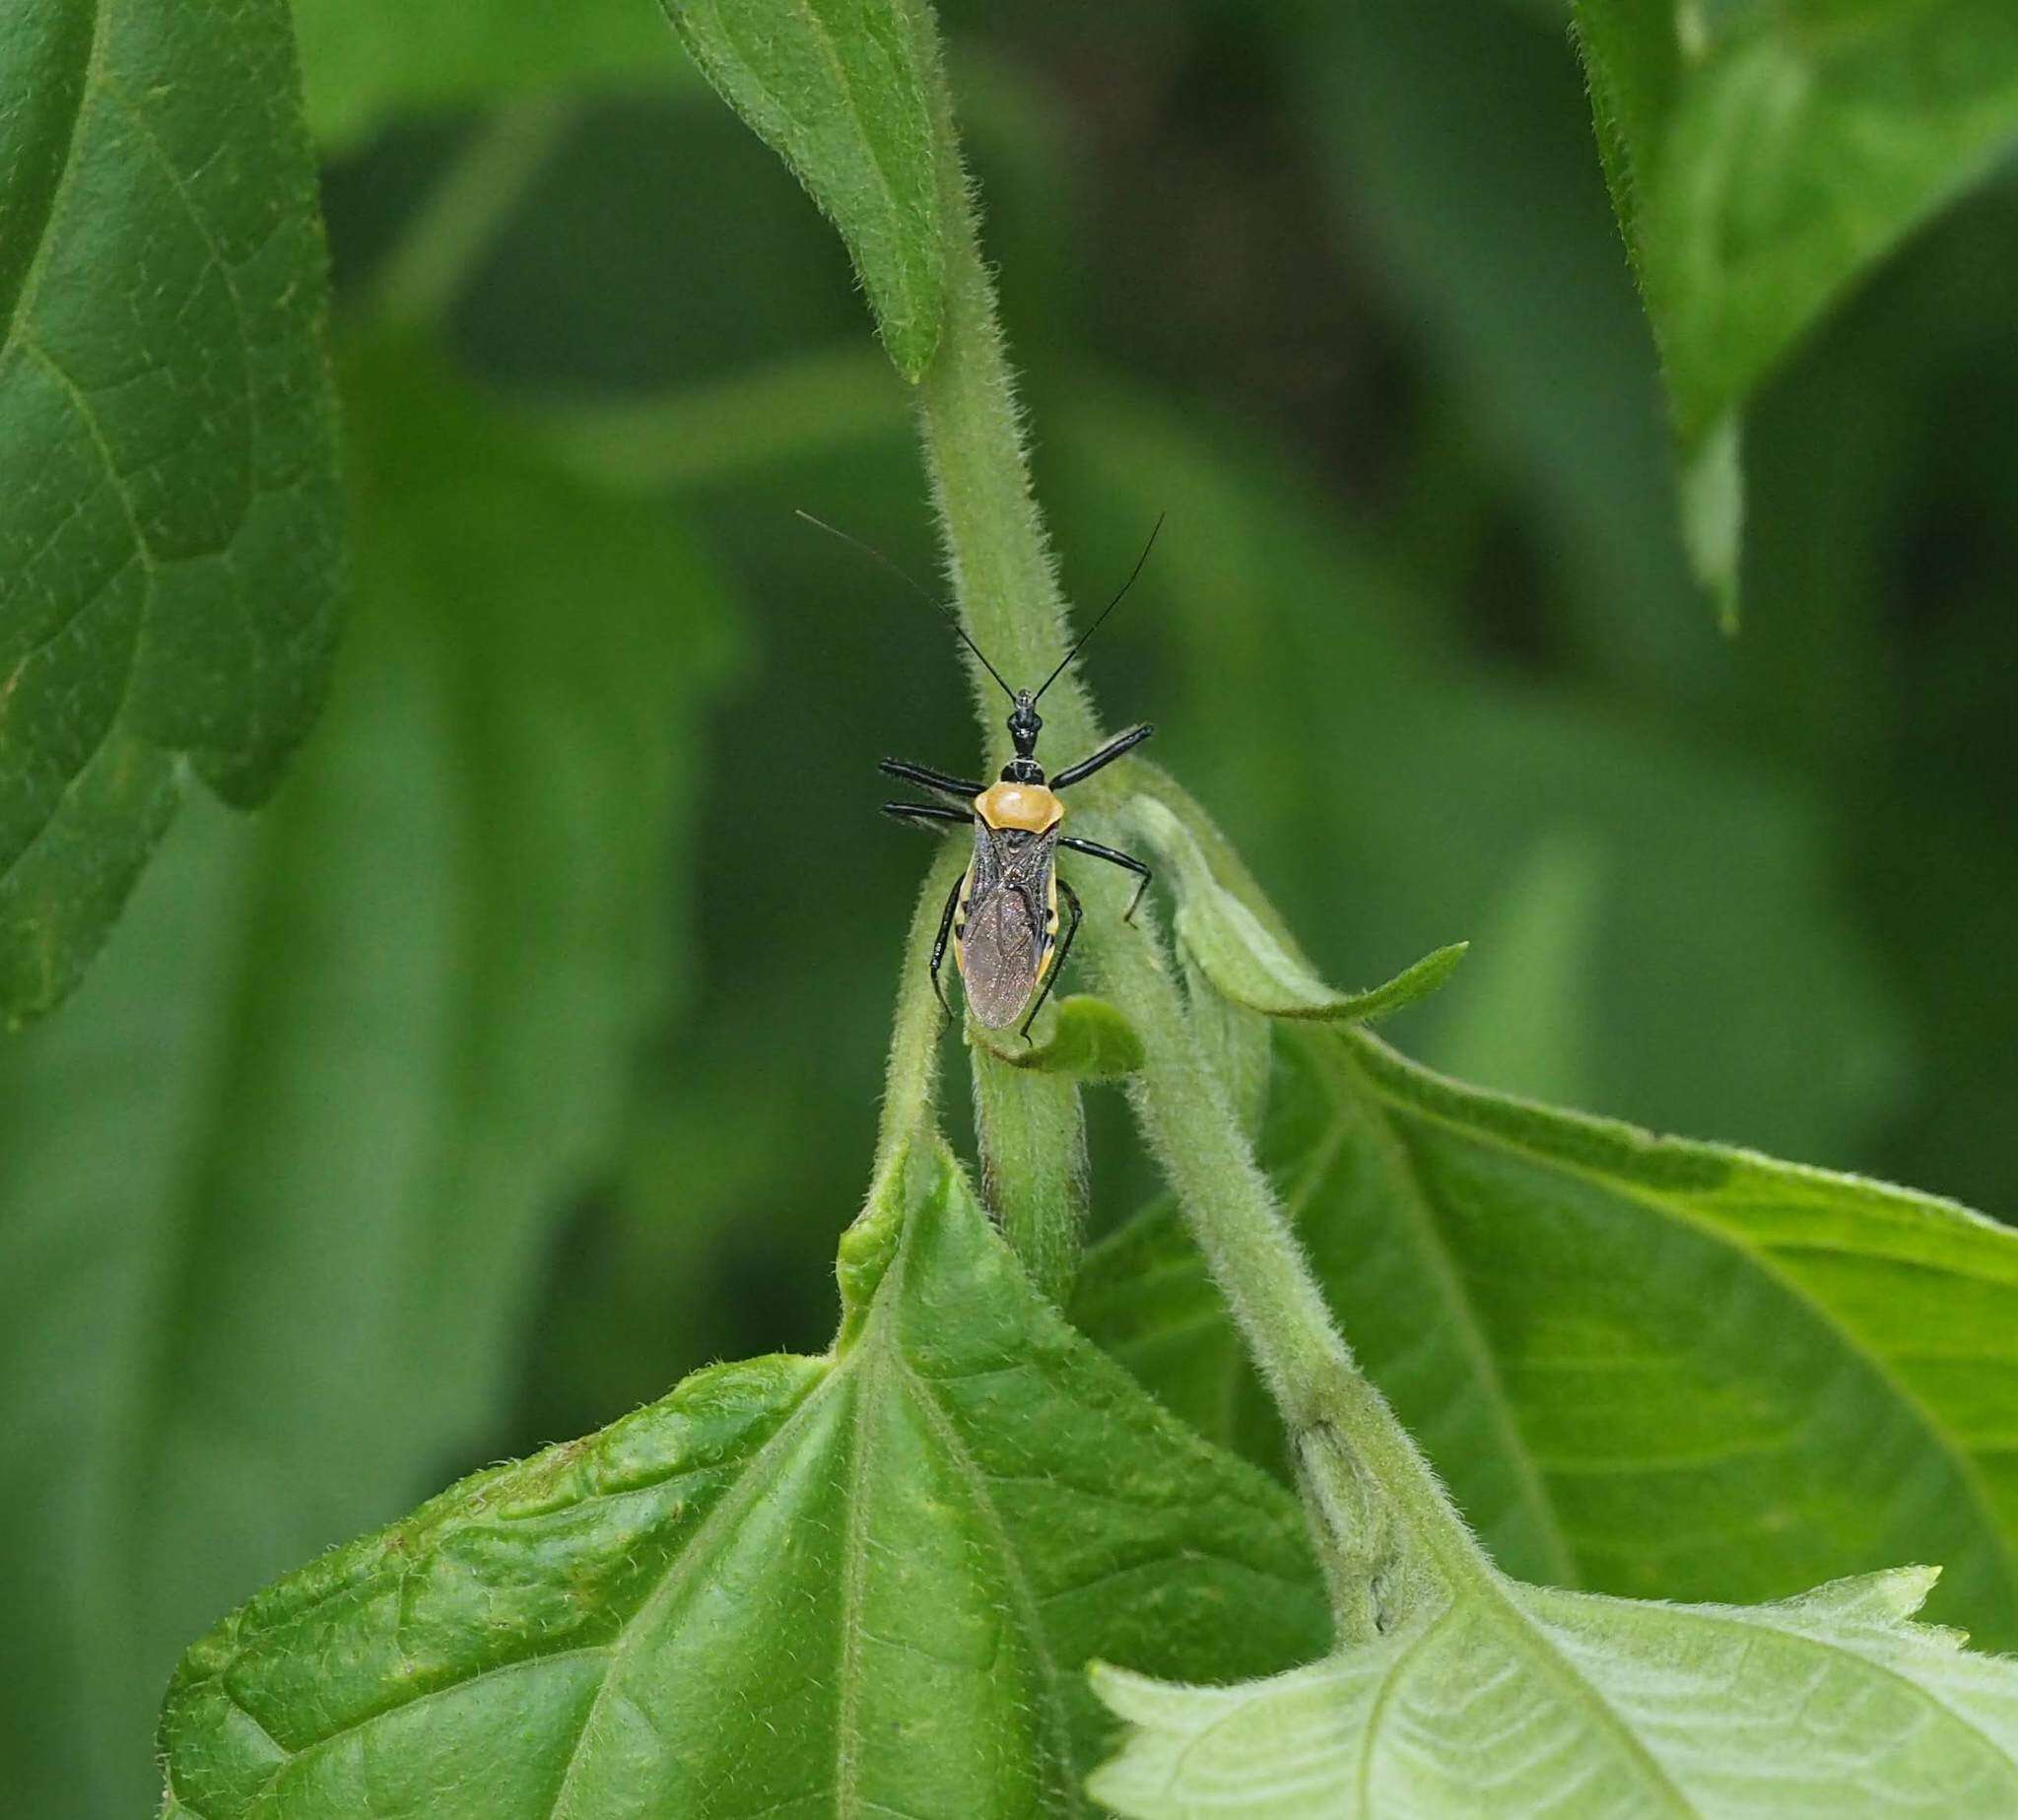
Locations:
1106 610
931 600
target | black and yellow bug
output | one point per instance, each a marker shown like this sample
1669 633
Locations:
1002 913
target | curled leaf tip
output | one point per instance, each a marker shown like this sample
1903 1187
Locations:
1243 957
1085 1037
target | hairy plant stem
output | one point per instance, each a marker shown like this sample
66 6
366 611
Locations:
1022 1118
1033 1131
1000 561
1386 1531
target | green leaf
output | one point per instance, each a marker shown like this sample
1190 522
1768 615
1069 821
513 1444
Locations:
1762 158
1083 1037
838 89
367 64
1642 1365
168 507
273 1189
864 1583
1512 1701
1230 945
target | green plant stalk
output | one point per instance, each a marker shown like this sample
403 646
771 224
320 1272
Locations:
1033 1171
1386 1529
1032 1132
1004 573
1387 1533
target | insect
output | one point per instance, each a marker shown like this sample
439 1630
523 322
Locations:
1001 915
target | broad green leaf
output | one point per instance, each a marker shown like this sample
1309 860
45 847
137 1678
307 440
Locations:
1082 1036
168 506
1512 1701
1762 158
273 1188
367 64
838 89
864 1583
1229 944
1642 1365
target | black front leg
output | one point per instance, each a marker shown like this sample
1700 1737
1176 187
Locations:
1126 861
1107 755
963 787
923 812
1057 966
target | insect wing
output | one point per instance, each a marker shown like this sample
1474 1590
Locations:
1005 940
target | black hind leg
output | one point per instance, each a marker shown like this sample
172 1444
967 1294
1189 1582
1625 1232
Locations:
939 944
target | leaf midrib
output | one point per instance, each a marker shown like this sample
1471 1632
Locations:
1028 1606
1493 1588
853 1569
750 1484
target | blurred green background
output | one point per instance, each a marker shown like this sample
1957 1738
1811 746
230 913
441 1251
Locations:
529 1055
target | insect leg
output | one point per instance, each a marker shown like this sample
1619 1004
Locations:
1107 755
922 812
965 789
939 944
1057 965
1126 861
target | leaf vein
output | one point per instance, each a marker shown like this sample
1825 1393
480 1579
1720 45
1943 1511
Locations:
853 1572
733 1502
1370 1740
